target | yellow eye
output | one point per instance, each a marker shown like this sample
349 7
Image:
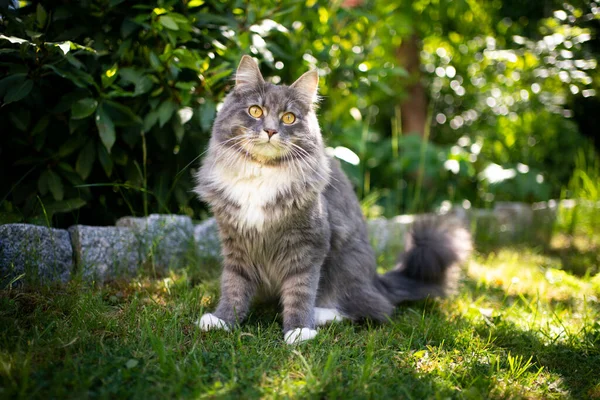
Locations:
288 118
255 111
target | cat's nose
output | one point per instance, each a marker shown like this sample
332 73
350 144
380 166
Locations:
270 132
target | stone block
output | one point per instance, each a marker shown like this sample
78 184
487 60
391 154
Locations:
165 240
105 253
206 238
544 218
43 254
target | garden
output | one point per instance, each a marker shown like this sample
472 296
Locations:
486 111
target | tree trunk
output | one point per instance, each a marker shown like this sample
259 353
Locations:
414 108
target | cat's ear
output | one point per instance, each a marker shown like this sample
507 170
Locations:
248 74
308 84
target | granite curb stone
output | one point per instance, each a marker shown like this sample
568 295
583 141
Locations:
165 240
43 254
206 238
104 252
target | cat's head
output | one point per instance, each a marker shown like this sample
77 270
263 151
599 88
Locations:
271 124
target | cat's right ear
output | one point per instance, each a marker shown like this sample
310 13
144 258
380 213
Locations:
248 75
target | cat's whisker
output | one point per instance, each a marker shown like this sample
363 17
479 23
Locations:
305 162
288 157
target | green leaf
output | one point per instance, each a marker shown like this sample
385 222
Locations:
168 22
155 61
178 128
208 110
65 167
143 85
18 92
11 81
55 185
195 3
78 124
131 363
130 74
39 140
128 27
85 160
105 160
150 120
122 115
109 76
14 39
65 205
42 183
83 108
78 77
66 101
74 61
40 126
73 143
41 16
106 128
20 118
165 111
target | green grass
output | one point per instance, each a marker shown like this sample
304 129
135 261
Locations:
520 327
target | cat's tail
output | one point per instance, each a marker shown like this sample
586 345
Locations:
434 250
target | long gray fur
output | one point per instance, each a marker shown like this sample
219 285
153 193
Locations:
290 223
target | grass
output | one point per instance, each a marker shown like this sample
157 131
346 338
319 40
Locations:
520 327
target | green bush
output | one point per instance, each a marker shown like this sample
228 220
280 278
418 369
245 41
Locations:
106 104
106 107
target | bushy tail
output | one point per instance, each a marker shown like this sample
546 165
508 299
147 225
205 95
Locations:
434 250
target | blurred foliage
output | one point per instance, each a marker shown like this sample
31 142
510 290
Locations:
107 106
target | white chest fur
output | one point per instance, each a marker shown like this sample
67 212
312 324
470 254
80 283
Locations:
252 186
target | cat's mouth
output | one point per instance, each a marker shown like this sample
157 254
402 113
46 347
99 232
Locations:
266 151
263 148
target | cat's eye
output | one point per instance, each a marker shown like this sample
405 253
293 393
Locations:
288 118
255 111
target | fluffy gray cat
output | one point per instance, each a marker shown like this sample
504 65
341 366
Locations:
291 225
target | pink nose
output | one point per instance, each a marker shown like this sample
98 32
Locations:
270 132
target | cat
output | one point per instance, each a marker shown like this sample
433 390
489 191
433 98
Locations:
290 223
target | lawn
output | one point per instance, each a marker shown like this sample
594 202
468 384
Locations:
521 326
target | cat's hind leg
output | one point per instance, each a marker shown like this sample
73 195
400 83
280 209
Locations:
324 316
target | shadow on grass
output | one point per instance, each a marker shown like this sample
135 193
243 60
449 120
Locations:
572 357
143 344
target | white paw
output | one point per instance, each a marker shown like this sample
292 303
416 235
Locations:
299 335
325 315
209 321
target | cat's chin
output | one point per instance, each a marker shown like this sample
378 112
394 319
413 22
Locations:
267 153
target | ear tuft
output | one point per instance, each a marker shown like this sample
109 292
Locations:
248 74
308 84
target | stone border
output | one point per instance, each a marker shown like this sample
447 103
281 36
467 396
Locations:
31 254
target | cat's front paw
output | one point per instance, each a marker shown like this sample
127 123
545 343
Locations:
210 321
299 335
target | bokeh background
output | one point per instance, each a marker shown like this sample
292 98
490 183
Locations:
106 105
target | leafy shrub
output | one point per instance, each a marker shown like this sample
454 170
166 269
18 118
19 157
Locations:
105 104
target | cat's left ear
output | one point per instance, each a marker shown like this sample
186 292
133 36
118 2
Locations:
308 85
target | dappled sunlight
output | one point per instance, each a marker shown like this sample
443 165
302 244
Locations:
486 111
522 272
515 328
